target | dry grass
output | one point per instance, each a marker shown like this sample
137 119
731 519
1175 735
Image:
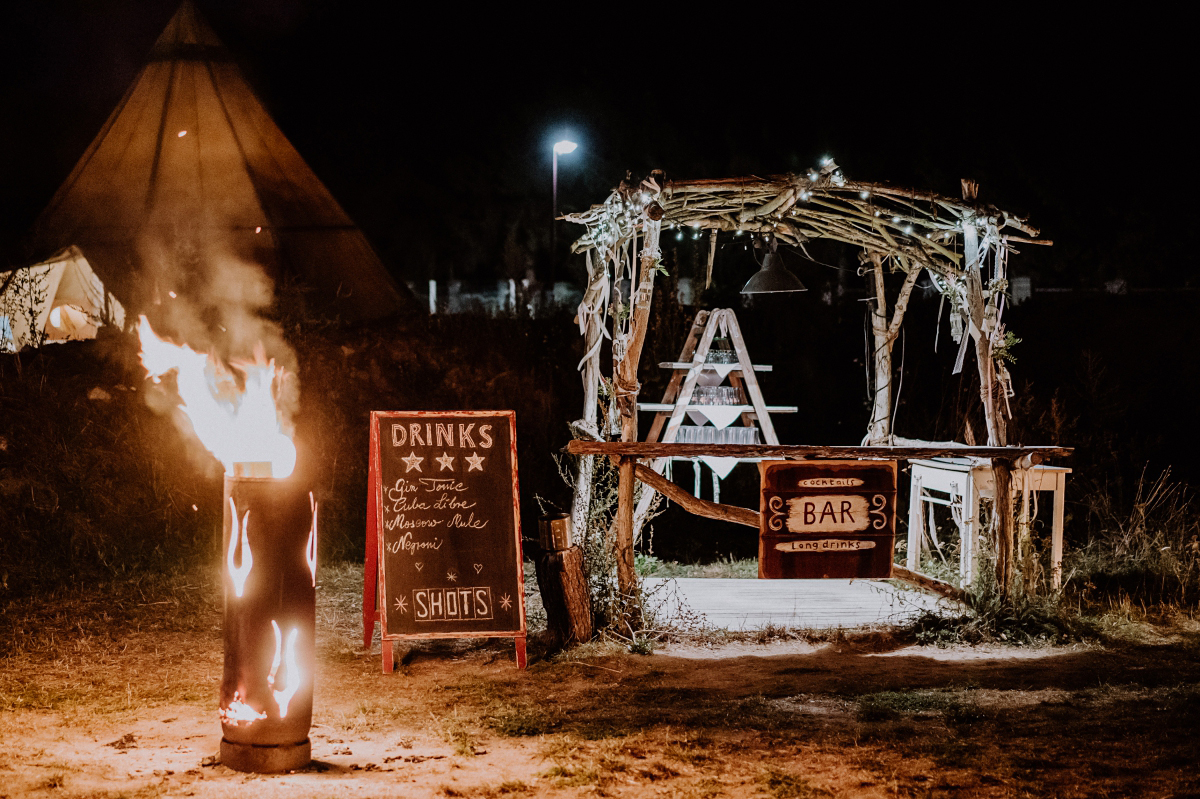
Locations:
834 719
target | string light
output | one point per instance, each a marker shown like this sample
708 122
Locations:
866 195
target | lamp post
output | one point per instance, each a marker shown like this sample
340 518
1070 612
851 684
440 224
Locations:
560 148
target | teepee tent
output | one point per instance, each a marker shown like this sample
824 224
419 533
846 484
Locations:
60 299
189 175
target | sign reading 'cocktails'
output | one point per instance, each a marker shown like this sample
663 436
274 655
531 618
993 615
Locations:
448 524
827 518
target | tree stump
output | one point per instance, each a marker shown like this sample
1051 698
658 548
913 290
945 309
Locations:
565 595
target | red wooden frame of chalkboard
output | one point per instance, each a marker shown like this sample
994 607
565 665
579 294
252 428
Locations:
373 576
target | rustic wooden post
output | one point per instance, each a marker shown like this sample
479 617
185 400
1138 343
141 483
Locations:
626 387
591 319
623 545
1002 507
1002 525
884 333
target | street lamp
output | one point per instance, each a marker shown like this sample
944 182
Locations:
560 148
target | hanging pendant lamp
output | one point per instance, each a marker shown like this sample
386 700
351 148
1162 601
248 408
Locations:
774 277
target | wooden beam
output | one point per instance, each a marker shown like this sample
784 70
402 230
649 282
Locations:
639 449
695 505
931 584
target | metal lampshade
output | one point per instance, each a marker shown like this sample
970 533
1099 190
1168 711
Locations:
773 278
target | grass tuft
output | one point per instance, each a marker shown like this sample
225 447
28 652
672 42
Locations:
516 721
893 705
783 785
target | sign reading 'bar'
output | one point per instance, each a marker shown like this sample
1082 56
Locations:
827 518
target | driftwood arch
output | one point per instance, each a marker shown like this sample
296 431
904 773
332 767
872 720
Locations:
963 244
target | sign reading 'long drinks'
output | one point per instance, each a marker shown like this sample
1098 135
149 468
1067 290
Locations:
448 522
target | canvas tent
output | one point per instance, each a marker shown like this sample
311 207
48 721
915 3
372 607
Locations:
190 173
60 299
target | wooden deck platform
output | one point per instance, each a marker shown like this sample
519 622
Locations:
806 604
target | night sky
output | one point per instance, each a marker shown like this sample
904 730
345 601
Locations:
432 125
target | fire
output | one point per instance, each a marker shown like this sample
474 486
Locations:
283 698
239 573
235 426
239 712
310 551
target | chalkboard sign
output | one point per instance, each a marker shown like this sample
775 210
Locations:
446 519
827 518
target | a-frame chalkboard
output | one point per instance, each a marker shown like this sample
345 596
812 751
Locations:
443 528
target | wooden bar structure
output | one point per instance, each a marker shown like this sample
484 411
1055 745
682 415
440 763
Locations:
627 455
962 244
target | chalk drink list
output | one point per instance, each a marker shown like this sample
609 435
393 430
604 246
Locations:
447 522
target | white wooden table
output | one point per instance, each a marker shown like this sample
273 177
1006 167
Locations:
966 481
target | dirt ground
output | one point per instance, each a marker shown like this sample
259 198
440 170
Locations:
113 693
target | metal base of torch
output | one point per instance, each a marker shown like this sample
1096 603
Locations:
270 624
265 759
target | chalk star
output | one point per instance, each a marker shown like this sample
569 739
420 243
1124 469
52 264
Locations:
413 461
446 461
505 602
452 576
402 604
475 462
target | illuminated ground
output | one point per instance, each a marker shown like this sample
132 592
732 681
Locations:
115 696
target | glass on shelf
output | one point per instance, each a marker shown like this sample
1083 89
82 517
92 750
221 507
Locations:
718 395
721 351
706 434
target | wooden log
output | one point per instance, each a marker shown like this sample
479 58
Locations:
700 507
565 595
645 449
931 584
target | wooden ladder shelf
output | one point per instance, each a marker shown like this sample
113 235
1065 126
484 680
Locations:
694 370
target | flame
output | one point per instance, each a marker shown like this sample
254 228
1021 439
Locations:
239 712
310 552
236 427
283 698
239 573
